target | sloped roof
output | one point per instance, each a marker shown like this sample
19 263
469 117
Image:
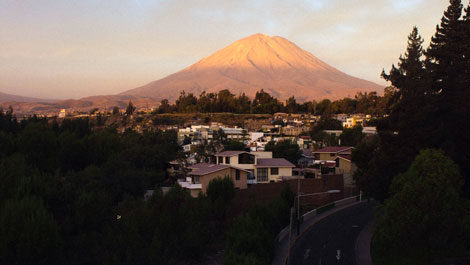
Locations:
204 168
344 156
273 162
230 153
333 149
199 166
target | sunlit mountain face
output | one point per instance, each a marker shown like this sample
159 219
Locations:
258 62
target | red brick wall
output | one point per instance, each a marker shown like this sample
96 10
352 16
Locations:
264 193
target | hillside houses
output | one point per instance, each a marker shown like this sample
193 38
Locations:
244 168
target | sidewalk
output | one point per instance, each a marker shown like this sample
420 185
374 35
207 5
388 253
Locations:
282 248
362 248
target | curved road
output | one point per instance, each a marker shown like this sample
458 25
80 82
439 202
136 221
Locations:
332 239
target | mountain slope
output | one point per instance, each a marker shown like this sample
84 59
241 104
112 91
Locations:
4 97
259 62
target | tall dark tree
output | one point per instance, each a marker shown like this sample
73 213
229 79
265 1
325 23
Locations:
130 108
164 106
408 129
449 63
412 114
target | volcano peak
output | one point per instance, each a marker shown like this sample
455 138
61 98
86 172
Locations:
258 62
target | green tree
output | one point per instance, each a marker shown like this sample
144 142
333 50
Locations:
130 109
284 149
448 62
164 106
115 110
28 233
8 120
220 193
235 145
39 144
252 238
291 105
351 136
424 218
186 103
248 243
323 107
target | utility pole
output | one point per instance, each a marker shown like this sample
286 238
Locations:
290 234
298 204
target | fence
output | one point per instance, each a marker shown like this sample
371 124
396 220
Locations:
309 215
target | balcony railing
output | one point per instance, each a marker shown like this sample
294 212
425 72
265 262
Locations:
189 185
251 181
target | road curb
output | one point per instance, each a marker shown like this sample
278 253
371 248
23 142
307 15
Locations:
317 219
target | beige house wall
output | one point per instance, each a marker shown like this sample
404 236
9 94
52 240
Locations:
346 168
241 184
283 171
234 160
326 156
262 154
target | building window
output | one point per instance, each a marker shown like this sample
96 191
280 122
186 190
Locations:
227 160
195 179
237 174
274 171
262 174
246 159
337 162
250 174
221 159
332 154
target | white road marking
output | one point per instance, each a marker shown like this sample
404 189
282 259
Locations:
307 253
338 254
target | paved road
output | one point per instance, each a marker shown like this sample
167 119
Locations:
332 240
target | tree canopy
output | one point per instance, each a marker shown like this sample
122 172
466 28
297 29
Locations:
425 218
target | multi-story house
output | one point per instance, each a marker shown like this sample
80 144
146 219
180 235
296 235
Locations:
201 174
341 156
261 167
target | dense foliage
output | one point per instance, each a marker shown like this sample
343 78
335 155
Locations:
426 214
425 219
264 103
252 238
284 149
72 195
429 109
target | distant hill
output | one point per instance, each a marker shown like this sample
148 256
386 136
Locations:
83 104
258 62
4 97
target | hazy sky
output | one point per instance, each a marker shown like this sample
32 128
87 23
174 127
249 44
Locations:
72 49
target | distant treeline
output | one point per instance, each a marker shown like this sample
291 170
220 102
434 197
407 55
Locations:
264 103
